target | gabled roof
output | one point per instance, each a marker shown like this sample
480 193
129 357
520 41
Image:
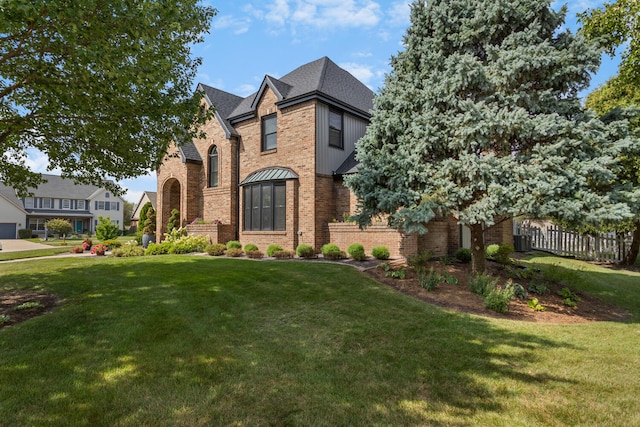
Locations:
9 194
152 196
224 103
58 187
320 79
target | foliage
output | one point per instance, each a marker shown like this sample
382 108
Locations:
613 25
420 260
535 305
329 247
25 233
100 88
380 252
500 253
99 249
216 249
174 220
538 288
273 248
569 298
234 244
143 219
149 226
482 284
77 250
59 226
158 248
305 251
87 244
4 318
430 280
128 250
476 116
112 244
389 271
283 254
518 290
234 252
127 211
249 247
463 255
189 243
332 251
498 299
106 229
254 254
356 251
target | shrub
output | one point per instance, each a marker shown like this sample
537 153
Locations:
305 251
174 220
569 298
482 284
106 230
158 248
188 244
216 249
332 251
518 290
282 254
463 255
4 318
128 250
356 251
234 252
538 288
77 250
273 249
112 244
498 299
380 252
535 305
249 247
87 244
24 233
234 244
254 254
420 261
428 280
60 226
500 253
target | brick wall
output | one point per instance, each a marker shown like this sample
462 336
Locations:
400 245
218 233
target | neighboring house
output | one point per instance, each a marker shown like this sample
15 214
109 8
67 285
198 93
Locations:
270 169
58 197
147 196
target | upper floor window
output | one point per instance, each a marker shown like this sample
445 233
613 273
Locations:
47 203
213 166
335 129
269 132
81 205
28 202
106 195
66 204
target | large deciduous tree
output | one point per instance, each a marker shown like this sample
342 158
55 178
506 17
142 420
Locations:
480 119
100 87
613 25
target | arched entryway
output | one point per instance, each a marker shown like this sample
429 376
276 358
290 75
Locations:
171 199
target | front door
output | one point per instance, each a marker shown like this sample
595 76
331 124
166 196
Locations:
79 226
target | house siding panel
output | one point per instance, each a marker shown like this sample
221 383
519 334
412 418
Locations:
330 158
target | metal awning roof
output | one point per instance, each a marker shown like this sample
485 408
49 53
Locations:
270 174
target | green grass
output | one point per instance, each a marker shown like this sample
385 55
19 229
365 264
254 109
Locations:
191 340
34 253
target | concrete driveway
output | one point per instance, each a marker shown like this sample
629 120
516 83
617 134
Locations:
14 245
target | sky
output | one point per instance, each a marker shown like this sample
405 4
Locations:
249 40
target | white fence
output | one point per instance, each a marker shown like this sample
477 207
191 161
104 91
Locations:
608 247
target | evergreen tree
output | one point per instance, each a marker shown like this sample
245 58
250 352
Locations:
480 119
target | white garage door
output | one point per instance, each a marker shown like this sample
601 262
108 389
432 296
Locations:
7 230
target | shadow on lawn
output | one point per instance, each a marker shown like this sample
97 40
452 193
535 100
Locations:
197 341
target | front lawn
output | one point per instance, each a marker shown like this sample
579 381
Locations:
194 340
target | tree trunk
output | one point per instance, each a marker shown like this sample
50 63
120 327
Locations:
631 256
478 262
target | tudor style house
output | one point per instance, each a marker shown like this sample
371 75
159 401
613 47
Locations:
58 197
270 169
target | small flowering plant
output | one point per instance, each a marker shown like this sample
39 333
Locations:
99 249
77 250
86 244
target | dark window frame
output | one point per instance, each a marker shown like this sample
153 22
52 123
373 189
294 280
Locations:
270 214
265 135
214 157
332 130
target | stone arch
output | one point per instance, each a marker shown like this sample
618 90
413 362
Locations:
171 199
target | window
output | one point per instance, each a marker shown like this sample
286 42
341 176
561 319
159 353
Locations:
115 206
66 204
335 129
28 202
265 206
81 205
106 195
47 203
269 134
213 167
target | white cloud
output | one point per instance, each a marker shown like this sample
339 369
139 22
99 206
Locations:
232 24
38 162
246 89
399 13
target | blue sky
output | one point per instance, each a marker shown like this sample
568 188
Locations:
251 39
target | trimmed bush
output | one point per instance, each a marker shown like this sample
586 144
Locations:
128 250
24 233
255 254
272 249
158 248
356 251
329 247
491 250
282 254
234 252
305 251
250 247
463 255
112 244
500 253
216 249
234 244
332 251
380 252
